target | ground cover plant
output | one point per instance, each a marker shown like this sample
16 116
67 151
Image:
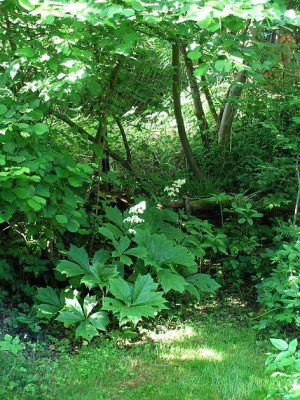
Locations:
149 166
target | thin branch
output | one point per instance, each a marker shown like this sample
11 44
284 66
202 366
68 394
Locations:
298 194
91 138
209 100
124 138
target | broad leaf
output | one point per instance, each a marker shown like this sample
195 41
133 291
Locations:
204 282
171 280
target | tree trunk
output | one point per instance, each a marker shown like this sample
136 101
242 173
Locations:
209 100
101 134
178 114
199 112
230 109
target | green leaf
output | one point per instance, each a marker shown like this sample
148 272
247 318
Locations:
26 52
74 181
3 109
69 318
121 246
86 330
39 200
48 295
171 280
201 70
61 219
114 215
203 282
51 303
26 4
140 301
279 344
120 289
40 129
194 54
101 256
80 256
72 225
223 65
71 313
143 289
107 233
88 304
25 192
99 320
139 252
69 268
35 205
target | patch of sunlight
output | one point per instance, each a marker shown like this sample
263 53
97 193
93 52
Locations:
172 334
193 354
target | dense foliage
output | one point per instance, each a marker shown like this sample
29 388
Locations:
149 155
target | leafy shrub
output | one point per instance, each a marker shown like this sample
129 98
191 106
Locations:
11 344
144 259
279 293
285 371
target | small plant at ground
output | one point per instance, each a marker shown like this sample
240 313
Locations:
10 344
285 371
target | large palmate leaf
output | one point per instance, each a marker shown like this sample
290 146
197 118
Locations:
159 250
134 302
115 216
203 282
95 274
171 280
89 324
51 303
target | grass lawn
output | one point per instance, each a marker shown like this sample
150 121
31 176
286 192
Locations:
207 360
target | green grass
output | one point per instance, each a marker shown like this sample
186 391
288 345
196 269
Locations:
198 362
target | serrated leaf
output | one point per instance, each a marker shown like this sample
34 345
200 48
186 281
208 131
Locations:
48 295
69 318
203 282
120 289
223 65
107 233
171 280
80 256
99 320
114 215
89 303
101 256
47 310
141 301
86 330
69 268
139 252
143 288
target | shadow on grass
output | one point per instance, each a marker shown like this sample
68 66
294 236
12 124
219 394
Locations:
197 362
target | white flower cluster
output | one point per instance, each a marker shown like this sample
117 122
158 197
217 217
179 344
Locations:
135 211
173 190
138 208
